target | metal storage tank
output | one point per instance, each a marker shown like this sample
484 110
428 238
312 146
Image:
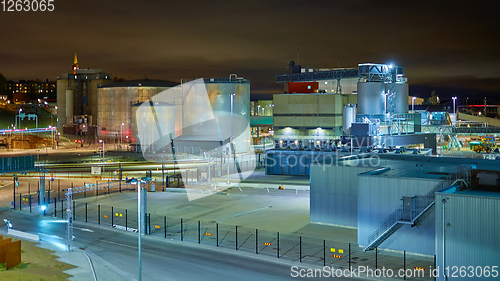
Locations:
371 98
401 98
348 117
115 102
228 95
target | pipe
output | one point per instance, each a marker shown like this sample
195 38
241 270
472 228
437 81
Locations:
444 240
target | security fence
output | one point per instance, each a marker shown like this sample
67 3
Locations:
286 246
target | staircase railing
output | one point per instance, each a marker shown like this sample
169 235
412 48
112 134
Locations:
420 204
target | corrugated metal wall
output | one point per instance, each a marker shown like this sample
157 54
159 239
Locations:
380 196
472 233
334 194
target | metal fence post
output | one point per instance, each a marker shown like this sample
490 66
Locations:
182 234
96 189
55 208
85 212
199 230
256 241
30 202
149 223
324 252
62 209
350 257
38 195
74 213
217 233
278 248
236 236
108 186
20 201
98 214
126 219
404 263
165 225
59 189
435 277
113 216
300 248
376 257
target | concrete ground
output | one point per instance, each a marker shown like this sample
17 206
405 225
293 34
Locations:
284 211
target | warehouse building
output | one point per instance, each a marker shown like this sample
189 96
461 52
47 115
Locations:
397 203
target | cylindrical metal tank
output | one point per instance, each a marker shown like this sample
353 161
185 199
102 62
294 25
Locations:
232 96
114 102
348 117
371 98
401 99
69 104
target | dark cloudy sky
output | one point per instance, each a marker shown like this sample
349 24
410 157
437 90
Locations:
442 44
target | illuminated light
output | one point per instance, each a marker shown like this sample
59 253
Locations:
319 129
104 216
44 207
390 66
208 234
337 256
157 226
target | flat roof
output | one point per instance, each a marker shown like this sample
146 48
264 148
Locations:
141 83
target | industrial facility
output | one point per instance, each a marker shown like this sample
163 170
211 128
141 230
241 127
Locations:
77 100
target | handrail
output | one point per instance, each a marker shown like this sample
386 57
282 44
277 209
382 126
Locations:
420 204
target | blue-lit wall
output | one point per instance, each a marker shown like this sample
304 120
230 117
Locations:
379 196
472 232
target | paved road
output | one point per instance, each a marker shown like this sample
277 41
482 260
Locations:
162 260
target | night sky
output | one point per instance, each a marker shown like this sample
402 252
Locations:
442 46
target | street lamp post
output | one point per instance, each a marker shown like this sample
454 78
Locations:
121 135
102 155
230 138
139 219
454 99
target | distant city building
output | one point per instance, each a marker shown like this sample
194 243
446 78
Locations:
28 90
77 97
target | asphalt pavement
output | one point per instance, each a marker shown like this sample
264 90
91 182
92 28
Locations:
162 259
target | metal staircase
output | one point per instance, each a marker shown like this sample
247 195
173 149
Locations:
414 208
